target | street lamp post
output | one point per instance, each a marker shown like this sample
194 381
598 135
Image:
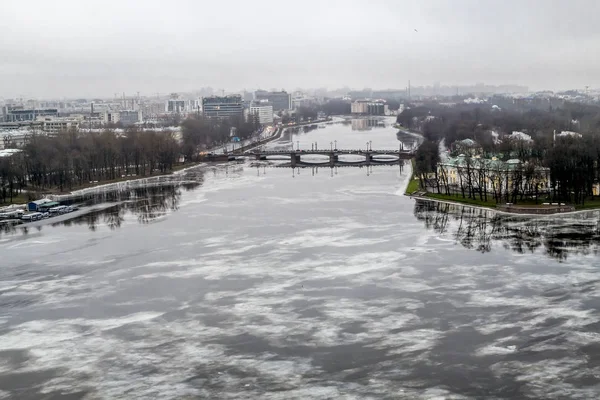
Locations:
316 146
371 145
297 145
331 143
335 141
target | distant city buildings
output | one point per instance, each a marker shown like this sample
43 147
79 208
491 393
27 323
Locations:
175 106
124 117
151 110
223 106
369 107
13 126
129 117
300 99
54 125
280 101
19 113
262 111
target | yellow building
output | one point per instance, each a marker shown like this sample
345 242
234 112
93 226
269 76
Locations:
493 172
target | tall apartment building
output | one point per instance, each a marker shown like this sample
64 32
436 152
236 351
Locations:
264 112
279 100
223 106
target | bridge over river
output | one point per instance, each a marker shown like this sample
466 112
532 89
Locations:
298 157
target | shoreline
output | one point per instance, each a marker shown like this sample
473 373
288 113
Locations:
502 212
418 196
99 186
94 187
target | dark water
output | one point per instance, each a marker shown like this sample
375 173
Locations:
247 281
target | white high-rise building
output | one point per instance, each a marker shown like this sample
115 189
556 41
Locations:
263 112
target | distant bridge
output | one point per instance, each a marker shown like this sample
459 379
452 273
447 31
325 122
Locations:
296 156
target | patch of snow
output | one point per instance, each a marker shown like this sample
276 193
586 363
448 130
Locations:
570 133
517 135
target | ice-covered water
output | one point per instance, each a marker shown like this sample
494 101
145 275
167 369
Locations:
258 282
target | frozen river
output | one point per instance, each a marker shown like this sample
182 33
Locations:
247 281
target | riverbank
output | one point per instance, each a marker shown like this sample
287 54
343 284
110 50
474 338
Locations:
57 195
176 169
413 184
524 210
527 207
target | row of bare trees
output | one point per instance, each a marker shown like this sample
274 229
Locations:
478 178
563 168
75 158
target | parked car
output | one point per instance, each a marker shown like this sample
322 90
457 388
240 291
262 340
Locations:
35 216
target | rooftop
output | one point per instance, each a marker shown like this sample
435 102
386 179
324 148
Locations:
478 162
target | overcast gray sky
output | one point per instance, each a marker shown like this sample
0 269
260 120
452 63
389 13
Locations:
90 48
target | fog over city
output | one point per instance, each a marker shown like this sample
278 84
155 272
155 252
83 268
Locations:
74 48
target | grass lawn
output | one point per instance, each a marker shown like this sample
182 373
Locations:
413 184
589 204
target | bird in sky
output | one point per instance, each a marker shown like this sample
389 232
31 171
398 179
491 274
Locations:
416 31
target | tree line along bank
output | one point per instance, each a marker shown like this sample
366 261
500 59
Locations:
493 155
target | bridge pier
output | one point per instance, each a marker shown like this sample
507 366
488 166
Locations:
333 157
294 159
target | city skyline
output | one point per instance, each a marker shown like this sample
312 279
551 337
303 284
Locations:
195 95
70 49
